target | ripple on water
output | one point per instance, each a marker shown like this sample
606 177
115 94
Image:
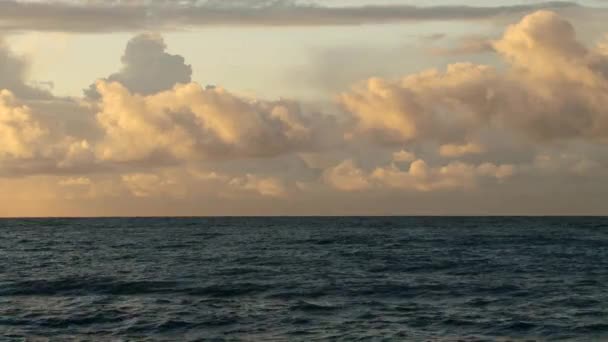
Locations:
418 279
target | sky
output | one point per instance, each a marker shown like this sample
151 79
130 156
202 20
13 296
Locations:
271 107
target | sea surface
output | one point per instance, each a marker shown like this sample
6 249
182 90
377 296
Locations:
304 279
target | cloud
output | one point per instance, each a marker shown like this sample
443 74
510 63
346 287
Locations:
187 184
545 45
419 177
153 185
174 184
154 120
112 16
428 105
554 88
31 144
39 133
515 132
79 181
346 176
148 68
455 151
13 73
263 186
403 156
191 122
20 134
456 175
548 163
602 46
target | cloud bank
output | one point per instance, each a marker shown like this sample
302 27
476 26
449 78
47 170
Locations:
112 16
531 130
190 122
553 88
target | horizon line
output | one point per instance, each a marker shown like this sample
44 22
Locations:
310 216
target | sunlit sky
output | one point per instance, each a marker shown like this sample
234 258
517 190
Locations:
261 108
236 57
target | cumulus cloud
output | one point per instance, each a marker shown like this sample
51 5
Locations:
154 119
456 175
155 137
602 46
75 181
13 73
175 184
403 156
455 151
419 176
182 184
104 16
29 144
20 134
564 162
24 136
153 185
264 186
191 122
431 104
346 176
554 89
148 68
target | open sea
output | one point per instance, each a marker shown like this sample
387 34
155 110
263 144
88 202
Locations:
304 279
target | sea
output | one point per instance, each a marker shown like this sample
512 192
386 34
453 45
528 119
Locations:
304 279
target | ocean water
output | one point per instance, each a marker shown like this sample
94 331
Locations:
304 279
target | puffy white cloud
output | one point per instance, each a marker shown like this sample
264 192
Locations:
346 176
182 184
404 156
499 172
429 105
545 45
418 177
564 163
77 181
264 186
455 151
602 46
455 175
20 133
153 185
554 88
148 141
564 83
191 122
77 153
41 188
31 144
122 129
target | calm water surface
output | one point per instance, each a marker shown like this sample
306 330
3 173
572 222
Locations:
307 279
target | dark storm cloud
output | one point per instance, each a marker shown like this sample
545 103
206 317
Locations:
109 16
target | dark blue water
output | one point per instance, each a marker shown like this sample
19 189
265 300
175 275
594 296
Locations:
306 279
